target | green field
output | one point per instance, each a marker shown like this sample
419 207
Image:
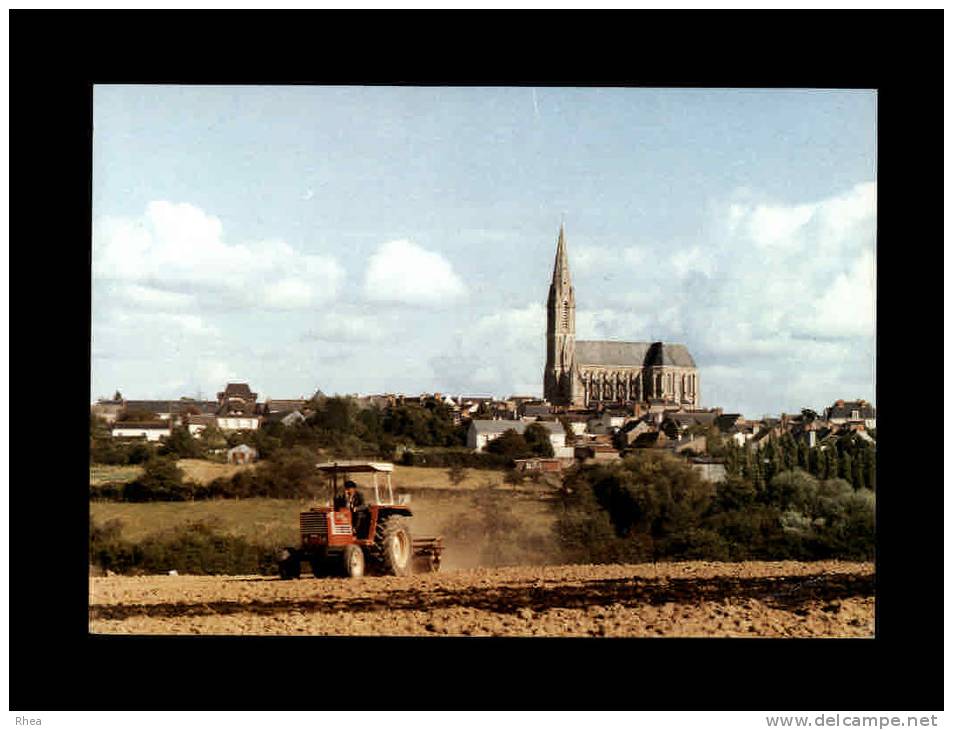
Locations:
202 472
102 473
275 521
258 520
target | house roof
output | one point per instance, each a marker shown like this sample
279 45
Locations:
635 424
170 406
650 438
692 419
206 419
537 410
280 406
842 409
632 354
518 426
238 389
241 447
143 425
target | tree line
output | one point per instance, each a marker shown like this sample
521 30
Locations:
654 506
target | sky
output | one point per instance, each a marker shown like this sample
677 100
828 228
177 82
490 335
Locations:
401 239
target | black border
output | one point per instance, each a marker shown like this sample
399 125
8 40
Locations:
56 56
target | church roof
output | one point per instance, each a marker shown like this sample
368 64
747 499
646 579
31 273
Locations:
631 354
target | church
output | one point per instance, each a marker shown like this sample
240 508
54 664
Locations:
590 373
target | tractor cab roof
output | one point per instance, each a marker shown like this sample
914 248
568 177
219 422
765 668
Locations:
354 467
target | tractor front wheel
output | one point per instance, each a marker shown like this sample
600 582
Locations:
353 558
396 546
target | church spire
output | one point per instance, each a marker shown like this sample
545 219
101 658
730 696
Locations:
559 376
561 267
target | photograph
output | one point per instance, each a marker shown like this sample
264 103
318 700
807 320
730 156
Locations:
483 361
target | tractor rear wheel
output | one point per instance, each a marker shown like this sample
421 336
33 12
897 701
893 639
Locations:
289 565
395 545
353 559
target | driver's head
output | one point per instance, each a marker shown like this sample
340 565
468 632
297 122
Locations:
349 486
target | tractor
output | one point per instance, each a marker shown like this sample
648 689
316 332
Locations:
381 543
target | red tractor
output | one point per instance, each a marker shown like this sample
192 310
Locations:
335 540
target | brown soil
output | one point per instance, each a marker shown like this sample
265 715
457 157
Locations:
784 599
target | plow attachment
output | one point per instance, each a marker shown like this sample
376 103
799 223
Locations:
427 552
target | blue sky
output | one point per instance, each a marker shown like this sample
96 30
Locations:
370 239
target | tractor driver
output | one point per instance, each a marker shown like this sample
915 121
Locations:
354 501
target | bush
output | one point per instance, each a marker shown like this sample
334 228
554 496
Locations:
161 481
181 444
652 506
198 548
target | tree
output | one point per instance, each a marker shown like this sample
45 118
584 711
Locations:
212 438
804 456
181 443
509 444
567 427
859 475
538 440
846 467
161 480
872 470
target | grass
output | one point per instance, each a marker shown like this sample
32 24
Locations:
101 473
196 470
275 521
202 472
258 520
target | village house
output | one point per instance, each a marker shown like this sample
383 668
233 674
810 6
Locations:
533 410
855 412
278 407
631 431
108 410
538 465
710 470
197 424
237 408
607 422
148 430
482 432
597 452
242 454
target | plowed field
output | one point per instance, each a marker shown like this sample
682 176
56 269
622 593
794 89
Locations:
784 599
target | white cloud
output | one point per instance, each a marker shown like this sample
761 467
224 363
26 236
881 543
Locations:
501 353
608 324
831 222
148 297
585 260
340 327
151 323
694 259
848 307
401 271
177 247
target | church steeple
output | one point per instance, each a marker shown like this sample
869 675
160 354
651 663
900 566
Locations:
561 267
560 329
